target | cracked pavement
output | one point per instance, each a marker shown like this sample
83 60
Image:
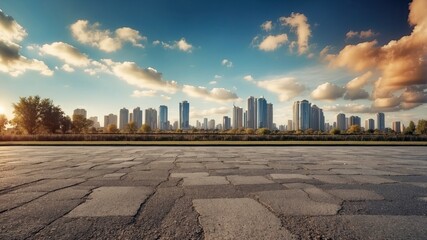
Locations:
213 192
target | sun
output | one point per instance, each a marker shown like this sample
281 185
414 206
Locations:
1 110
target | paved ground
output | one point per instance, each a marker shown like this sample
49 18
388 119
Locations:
213 193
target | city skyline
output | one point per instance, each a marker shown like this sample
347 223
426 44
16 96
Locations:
147 55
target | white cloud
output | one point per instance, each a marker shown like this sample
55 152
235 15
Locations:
215 95
359 82
355 94
145 78
143 93
328 91
166 98
10 30
67 68
217 76
96 67
271 42
181 45
249 78
349 108
267 26
227 63
213 82
299 23
285 87
105 40
66 53
11 61
362 34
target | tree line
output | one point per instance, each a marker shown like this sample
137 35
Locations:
34 115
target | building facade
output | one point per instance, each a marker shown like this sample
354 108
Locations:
184 115
341 122
237 117
262 113
163 118
110 119
80 111
381 121
124 118
137 117
270 116
252 113
151 118
304 113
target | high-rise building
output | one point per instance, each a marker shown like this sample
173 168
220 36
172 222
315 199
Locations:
381 121
304 113
315 118
137 117
322 120
163 118
211 124
124 118
270 116
369 124
341 122
198 124
205 123
226 123
289 127
151 118
262 113
80 111
355 120
95 122
175 125
184 115
252 113
245 119
237 117
110 119
296 116
396 126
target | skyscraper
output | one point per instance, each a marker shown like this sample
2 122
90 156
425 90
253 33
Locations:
341 122
252 113
205 123
184 115
245 119
315 118
110 119
237 117
381 121
262 113
295 123
211 124
289 127
124 118
355 120
321 120
163 117
226 122
304 112
369 124
80 111
270 116
95 122
397 127
151 118
137 117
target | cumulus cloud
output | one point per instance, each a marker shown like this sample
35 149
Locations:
348 108
267 26
213 82
362 34
10 30
105 40
355 94
181 45
359 82
328 91
215 95
145 78
67 68
272 42
299 23
11 61
227 63
66 53
143 93
400 64
249 78
285 87
208 112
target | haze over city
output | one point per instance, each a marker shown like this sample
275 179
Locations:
355 57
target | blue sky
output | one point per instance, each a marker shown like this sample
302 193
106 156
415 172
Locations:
109 55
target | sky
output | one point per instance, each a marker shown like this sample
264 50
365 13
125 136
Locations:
358 57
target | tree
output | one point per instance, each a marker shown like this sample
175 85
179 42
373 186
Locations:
335 131
131 128
422 126
27 114
51 116
353 129
3 122
81 124
65 124
410 129
249 131
145 128
262 131
112 128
